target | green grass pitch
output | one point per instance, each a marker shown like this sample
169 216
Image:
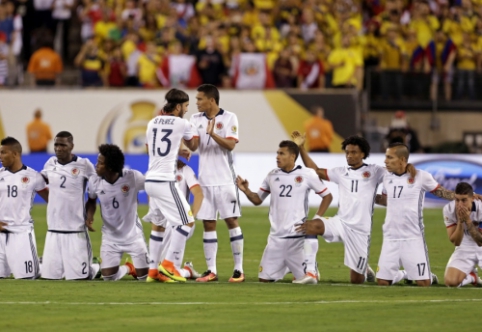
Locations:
332 305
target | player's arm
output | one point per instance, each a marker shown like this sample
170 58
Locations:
243 185
44 193
192 145
226 142
197 192
456 233
300 141
324 205
381 200
463 217
444 193
90 208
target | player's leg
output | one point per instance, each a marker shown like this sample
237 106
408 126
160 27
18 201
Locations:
140 257
21 254
272 266
111 256
4 268
295 259
52 263
414 259
76 252
356 253
227 202
157 238
388 263
459 271
208 214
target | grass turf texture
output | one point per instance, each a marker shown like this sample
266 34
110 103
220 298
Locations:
334 304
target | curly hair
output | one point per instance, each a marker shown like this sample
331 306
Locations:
359 141
114 158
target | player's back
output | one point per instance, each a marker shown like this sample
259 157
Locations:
118 203
450 219
67 186
17 191
164 134
210 153
357 192
405 197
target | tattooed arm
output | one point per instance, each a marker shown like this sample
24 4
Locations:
381 200
444 193
474 232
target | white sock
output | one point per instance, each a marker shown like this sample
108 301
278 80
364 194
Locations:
123 270
155 248
210 245
237 245
310 251
95 268
175 253
468 280
191 233
401 274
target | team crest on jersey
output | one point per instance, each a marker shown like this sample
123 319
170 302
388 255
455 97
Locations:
298 180
219 126
410 182
125 190
178 178
366 175
25 180
75 171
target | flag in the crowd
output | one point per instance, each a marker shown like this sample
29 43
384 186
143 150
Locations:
250 71
417 56
179 71
430 53
449 47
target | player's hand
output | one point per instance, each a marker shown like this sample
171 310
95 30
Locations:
243 184
210 128
463 213
298 138
89 224
300 228
2 225
477 197
311 227
185 153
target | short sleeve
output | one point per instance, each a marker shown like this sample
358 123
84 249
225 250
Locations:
380 173
44 172
89 169
384 191
194 127
140 180
40 183
265 189
449 217
188 131
333 174
428 182
316 184
92 187
232 128
190 177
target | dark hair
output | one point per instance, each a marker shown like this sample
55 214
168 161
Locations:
114 158
292 147
359 141
463 188
65 134
209 91
402 149
180 164
12 143
173 98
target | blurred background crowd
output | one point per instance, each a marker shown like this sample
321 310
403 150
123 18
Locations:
403 46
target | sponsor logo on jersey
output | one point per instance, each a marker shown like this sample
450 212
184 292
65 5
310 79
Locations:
219 126
125 189
178 178
102 192
2 179
277 179
448 173
75 171
200 126
234 129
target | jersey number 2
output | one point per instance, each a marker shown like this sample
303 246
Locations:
163 139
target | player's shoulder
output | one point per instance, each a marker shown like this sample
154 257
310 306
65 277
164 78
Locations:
478 208
197 116
81 161
228 114
94 181
449 208
30 170
51 161
129 172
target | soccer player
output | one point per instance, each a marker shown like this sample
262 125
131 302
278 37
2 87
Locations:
352 225
218 135
116 189
18 185
67 251
463 219
162 230
289 186
163 136
403 230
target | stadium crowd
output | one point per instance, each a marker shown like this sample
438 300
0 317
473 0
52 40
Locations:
249 43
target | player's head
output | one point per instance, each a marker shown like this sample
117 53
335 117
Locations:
207 97
396 158
287 154
10 152
177 102
356 149
63 145
464 195
110 160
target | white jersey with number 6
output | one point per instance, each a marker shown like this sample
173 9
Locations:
118 203
289 198
67 185
405 197
163 136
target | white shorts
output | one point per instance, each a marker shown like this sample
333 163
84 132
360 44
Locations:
412 254
111 253
465 259
219 199
155 217
283 255
166 197
68 254
357 245
18 255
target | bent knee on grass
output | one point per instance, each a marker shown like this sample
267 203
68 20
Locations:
381 282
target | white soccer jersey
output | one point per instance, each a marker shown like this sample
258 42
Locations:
289 198
163 137
405 196
357 191
216 163
118 204
186 179
17 191
450 219
67 185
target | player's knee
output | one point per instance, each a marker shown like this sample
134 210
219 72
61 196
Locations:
381 282
357 279
232 222
265 280
209 225
451 283
424 283
109 277
158 228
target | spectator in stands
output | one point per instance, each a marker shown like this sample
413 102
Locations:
62 16
45 65
3 59
88 13
442 66
147 65
131 54
91 64
38 134
210 64
116 69
467 57
284 71
43 16
104 28
319 131
309 26
345 63
15 67
392 60
311 74
400 131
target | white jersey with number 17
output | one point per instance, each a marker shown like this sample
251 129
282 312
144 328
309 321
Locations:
163 136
